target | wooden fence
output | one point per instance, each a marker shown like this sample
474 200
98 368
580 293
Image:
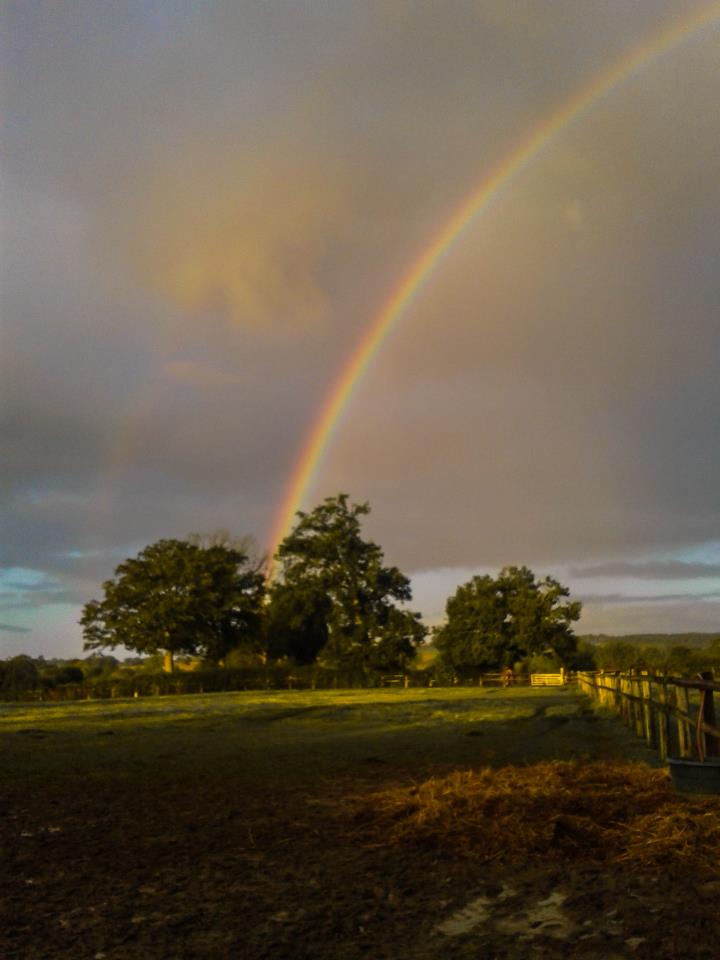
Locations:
675 716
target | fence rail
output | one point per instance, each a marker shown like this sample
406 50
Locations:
674 715
516 679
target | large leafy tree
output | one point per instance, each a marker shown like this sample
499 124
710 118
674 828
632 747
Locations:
176 597
352 599
493 622
296 622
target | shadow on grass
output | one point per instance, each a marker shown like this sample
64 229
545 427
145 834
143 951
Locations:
297 738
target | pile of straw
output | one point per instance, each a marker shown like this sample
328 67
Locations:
556 810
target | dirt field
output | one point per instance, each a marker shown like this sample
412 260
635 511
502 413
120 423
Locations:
242 826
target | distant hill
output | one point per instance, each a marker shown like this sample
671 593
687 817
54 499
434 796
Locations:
699 640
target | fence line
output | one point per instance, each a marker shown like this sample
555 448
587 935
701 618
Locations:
518 679
661 710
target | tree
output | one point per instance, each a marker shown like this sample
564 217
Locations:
473 637
178 597
296 623
493 622
329 571
616 655
19 675
584 656
69 674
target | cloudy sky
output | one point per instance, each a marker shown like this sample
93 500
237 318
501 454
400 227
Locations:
204 205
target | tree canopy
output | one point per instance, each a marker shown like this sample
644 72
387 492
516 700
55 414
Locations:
336 595
178 596
494 622
18 674
296 622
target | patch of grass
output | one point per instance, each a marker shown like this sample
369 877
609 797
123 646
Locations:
297 735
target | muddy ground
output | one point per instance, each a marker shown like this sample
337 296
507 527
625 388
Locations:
197 862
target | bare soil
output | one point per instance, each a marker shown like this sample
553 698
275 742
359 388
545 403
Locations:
206 862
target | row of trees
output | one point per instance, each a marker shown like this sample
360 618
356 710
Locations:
334 601
22 673
661 657
106 676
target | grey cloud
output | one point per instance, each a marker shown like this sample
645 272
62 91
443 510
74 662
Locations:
29 599
9 584
660 598
13 628
679 617
648 570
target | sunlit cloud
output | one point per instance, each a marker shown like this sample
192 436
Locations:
242 231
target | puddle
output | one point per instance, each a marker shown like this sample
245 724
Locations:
471 916
541 918
545 917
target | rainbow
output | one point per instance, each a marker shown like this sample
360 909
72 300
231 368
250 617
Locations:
423 267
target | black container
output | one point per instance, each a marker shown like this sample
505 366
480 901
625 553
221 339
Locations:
692 776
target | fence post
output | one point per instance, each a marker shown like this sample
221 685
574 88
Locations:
601 682
624 702
663 726
708 715
638 707
637 713
646 692
682 702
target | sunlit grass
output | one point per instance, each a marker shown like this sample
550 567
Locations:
442 702
255 734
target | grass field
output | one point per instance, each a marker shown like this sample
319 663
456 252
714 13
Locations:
244 825
259 734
